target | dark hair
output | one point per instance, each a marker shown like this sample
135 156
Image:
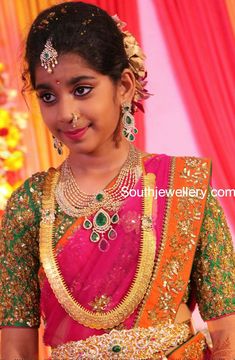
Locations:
80 28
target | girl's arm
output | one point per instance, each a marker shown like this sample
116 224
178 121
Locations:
19 343
222 332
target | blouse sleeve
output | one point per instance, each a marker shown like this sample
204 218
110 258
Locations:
19 257
214 265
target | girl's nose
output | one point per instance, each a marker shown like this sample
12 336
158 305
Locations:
68 112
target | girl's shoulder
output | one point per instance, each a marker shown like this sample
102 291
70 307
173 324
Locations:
27 197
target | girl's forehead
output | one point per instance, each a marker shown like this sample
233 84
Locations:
69 65
69 60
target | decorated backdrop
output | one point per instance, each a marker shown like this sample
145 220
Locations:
190 48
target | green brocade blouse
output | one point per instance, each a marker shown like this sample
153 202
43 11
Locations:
212 278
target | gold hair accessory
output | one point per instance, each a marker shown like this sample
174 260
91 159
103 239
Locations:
48 57
136 59
75 119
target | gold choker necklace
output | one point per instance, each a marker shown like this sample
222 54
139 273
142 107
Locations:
76 203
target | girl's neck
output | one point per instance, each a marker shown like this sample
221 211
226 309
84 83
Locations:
103 160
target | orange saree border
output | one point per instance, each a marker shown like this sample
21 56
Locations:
181 229
193 349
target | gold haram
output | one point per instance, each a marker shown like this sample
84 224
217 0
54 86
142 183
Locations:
76 203
62 292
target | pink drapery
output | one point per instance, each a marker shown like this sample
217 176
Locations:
127 12
202 49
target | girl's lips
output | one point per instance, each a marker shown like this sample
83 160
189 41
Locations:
75 134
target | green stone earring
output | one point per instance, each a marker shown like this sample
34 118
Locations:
129 130
58 145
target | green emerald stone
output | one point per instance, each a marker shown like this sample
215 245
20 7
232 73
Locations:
99 197
112 234
135 130
101 219
128 120
131 137
124 133
46 55
87 224
115 218
116 348
95 237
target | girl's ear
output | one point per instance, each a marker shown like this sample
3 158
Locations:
127 86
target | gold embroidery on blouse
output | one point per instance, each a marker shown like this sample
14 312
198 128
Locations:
140 282
214 266
19 253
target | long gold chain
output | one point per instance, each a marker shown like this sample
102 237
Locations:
63 294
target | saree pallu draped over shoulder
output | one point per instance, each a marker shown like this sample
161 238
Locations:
118 304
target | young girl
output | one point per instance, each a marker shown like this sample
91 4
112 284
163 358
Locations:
111 268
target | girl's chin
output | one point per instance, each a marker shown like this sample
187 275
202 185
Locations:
82 148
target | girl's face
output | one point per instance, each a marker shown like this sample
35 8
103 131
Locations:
74 87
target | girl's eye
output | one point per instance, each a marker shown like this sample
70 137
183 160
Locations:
47 97
82 90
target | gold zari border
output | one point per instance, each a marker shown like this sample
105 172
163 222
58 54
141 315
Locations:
181 229
143 272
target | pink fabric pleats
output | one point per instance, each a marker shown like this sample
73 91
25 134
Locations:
202 49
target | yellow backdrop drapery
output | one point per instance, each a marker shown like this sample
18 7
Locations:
231 12
16 18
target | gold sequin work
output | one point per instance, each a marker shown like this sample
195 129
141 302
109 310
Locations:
214 265
213 275
19 254
19 259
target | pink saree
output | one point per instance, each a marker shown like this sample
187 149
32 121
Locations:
99 280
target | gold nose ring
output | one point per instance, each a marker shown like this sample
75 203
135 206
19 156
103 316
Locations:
75 119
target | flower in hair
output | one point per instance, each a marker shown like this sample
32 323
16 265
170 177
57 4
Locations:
136 59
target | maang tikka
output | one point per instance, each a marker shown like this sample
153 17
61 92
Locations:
58 145
129 130
48 57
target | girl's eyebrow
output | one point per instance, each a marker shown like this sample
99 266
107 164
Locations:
77 79
70 82
43 86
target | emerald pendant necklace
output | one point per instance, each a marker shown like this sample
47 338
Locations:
104 205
